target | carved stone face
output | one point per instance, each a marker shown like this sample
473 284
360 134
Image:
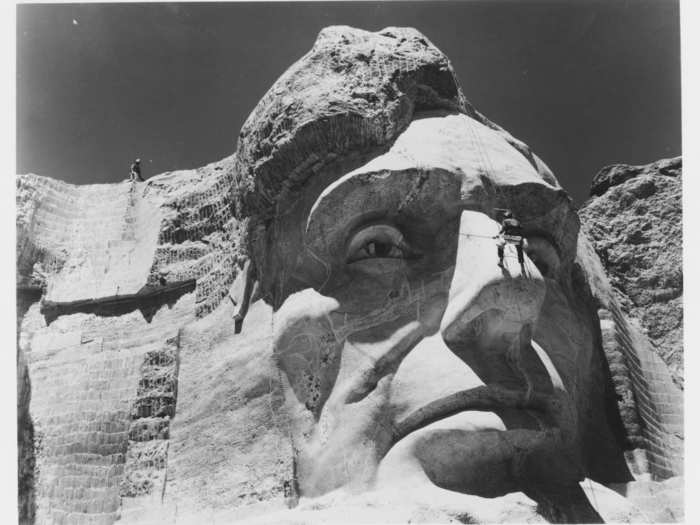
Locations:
407 353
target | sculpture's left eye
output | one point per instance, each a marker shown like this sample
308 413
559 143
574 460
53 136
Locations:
379 241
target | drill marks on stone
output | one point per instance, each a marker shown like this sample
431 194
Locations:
81 419
84 371
312 385
659 402
39 240
84 234
110 237
200 237
145 472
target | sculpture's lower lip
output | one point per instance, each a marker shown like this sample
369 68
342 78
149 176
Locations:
482 398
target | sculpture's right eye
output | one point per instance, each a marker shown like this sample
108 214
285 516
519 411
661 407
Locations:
378 241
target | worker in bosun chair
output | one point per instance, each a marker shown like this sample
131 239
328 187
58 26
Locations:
511 232
135 173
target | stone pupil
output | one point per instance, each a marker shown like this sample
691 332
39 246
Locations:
378 249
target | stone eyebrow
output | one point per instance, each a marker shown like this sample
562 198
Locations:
384 190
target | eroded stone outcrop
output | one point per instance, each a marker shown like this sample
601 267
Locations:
634 219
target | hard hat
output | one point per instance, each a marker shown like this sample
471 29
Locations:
137 160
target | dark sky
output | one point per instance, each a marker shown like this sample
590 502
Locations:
584 83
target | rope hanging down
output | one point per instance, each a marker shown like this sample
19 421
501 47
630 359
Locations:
484 162
477 235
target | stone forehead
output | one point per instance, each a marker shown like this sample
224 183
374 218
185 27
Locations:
459 144
442 163
354 91
448 154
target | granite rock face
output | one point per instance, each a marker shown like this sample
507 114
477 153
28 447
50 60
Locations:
108 277
633 222
634 219
317 328
96 242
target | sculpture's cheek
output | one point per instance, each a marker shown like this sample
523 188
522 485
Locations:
337 366
561 330
306 348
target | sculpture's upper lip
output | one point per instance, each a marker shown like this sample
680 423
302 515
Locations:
482 398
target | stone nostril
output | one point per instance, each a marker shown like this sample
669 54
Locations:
476 328
501 351
476 331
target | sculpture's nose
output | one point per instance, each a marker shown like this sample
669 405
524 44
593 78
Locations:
480 285
491 308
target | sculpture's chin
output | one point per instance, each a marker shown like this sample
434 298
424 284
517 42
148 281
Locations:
470 453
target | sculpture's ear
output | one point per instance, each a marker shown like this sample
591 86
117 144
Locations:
244 288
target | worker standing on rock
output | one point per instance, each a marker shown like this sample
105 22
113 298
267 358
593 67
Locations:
511 232
136 171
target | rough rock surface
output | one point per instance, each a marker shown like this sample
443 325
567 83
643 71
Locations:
634 219
107 277
95 243
633 223
141 399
